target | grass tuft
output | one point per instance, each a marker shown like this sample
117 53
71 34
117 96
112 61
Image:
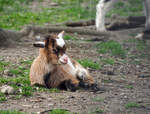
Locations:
98 99
68 37
89 63
3 64
129 86
129 8
2 97
15 14
97 111
132 105
27 91
59 111
11 112
109 61
112 47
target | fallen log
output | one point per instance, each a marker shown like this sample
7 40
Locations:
80 23
115 23
6 36
129 22
50 29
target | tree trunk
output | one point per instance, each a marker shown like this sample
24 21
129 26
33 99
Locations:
147 13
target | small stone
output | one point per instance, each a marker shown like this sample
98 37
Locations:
125 97
49 99
38 38
50 104
20 90
140 101
139 36
7 89
122 94
6 72
54 4
37 88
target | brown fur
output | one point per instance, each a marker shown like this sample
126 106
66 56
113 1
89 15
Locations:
47 62
59 75
47 71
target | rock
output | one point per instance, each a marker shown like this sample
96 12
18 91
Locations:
125 97
6 72
50 104
140 101
38 38
20 90
7 89
53 4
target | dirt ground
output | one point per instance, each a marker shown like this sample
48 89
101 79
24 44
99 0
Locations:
127 82
116 94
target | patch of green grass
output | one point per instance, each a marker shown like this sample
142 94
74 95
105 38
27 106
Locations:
98 99
59 111
54 90
90 64
3 80
11 112
136 61
27 62
107 81
2 97
108 61
133 34
15 14
27 91
68 37
112 47
132 105
3 64
140 44
15 71
26 88
16 97
129 8
129 86
51 90
9 6
20 14
140 49
97 111
22 77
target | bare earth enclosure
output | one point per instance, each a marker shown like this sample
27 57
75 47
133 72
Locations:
125 80
122 69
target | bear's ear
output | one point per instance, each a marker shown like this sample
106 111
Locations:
39 44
